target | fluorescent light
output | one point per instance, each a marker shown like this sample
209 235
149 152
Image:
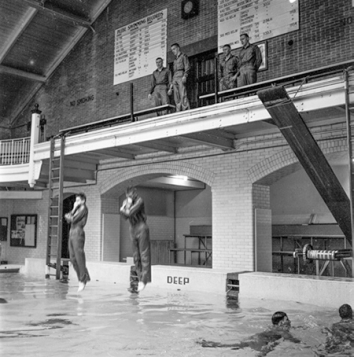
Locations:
180 177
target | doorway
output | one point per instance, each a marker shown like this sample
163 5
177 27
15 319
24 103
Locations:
68 204
202 78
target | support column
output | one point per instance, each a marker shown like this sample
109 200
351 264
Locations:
35 130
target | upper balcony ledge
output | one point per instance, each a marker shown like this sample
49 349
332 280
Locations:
307 97
14 173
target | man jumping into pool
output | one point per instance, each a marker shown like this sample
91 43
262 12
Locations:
133 209
78 217
263 342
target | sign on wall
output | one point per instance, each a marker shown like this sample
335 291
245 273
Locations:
260 19
137 46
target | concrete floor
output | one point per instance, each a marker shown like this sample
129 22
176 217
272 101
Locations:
47 318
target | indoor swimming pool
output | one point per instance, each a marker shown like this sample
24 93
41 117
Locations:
49 318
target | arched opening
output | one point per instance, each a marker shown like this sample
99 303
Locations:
179 216
299 216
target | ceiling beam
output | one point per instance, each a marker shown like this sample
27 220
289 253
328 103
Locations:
158 146
86 158
71 174
79 164
12 38
64 15
24 74
116 153
73 41
101 7
211 140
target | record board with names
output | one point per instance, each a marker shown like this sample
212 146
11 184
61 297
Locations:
260 19
137 46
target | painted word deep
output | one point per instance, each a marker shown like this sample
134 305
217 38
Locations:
177 280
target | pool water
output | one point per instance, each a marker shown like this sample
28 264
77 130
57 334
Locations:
49 318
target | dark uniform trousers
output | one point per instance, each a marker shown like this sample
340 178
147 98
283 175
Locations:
140 236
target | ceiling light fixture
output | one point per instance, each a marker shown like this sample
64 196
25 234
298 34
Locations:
180 177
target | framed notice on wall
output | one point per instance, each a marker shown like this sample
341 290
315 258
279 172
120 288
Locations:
3 228
137 46
23 230
260 19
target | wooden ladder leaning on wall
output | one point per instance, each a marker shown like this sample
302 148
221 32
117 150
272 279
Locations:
55 208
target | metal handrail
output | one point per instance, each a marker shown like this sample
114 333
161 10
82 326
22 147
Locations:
289 80
15 151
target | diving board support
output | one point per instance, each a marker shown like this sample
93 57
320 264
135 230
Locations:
284 113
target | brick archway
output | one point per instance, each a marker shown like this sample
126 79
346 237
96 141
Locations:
285 162
138 174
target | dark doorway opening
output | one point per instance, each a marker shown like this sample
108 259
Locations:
67 207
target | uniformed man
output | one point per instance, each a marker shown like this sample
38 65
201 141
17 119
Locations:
250 59
161 80
227 69
181 69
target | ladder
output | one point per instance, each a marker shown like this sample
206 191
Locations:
349 90
55 209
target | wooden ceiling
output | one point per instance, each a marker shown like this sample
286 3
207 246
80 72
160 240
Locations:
35 37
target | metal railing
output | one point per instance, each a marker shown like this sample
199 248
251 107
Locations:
15 152
286 81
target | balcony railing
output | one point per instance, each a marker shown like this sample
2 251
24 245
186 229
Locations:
15 152
216 97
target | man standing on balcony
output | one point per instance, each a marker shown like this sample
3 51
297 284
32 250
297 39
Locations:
78 217
161 80
227 69
181 69
133 209
250 59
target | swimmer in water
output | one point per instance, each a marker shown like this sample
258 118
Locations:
340 338
263 342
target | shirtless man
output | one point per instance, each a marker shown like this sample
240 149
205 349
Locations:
133 209
78 217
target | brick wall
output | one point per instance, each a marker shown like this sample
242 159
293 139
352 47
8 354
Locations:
237 187
322 40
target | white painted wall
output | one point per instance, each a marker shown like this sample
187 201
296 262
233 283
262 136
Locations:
294 198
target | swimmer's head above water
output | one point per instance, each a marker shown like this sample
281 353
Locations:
280 320
346 312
